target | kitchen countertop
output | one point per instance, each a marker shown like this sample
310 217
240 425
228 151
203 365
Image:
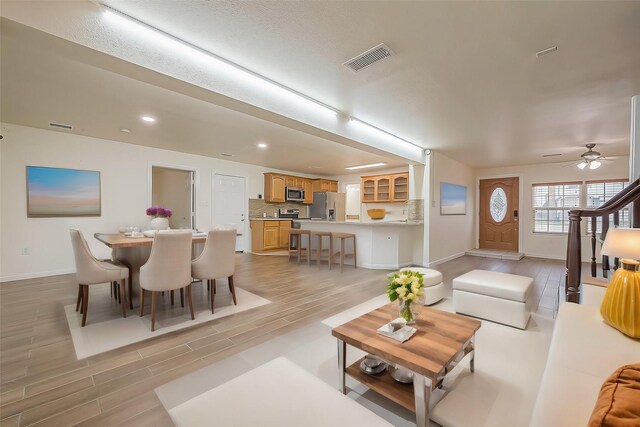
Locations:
364 224
271 219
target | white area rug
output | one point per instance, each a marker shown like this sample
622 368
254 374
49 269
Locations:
501 392
106 329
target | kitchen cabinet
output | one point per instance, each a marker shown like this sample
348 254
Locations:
285 229
274 188
308 191
325 185
400 187
385 188
269 235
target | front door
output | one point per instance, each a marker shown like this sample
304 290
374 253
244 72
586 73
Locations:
499 214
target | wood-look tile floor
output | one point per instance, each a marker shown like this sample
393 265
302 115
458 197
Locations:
42 382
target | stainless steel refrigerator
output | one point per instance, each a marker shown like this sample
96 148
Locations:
328 206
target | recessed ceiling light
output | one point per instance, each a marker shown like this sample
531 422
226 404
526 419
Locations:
371 165
148 119
262 145
551 155
125 130
226 154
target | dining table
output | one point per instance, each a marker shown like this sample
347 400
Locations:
134 253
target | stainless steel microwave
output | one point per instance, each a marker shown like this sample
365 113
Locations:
294 194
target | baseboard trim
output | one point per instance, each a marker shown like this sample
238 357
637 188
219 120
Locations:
445 259
36 275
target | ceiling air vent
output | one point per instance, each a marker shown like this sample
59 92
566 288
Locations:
60 125
370 57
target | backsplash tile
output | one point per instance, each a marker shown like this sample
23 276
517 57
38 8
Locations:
258 206
415 210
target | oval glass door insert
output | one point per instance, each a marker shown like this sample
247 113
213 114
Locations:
498 204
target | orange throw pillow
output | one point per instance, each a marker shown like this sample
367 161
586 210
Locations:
618 403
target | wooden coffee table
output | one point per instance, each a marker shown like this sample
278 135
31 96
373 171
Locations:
442 339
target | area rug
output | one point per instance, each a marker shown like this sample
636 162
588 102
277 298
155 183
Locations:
501 391
106 329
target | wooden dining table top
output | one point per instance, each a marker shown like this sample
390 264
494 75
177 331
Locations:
119 240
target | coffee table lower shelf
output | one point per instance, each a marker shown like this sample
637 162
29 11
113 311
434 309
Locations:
384 384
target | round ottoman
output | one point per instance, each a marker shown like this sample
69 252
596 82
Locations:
433 286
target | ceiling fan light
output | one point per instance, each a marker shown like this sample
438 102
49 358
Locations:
595 164
582 164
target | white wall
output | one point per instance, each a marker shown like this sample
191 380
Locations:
124 175
450 236
552 245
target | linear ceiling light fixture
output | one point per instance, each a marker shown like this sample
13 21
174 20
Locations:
239 72
223 66
547 51
376 130
372 165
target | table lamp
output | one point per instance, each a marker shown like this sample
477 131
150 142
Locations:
621 303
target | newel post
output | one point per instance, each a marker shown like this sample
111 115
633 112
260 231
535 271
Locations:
574 259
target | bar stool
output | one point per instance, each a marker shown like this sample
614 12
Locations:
296 241
343 237
320 235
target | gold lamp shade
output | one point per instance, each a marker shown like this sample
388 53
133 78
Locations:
621 303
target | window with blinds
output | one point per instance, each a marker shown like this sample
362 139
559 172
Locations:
551 205
599 192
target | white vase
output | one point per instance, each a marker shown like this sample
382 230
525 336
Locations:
160 223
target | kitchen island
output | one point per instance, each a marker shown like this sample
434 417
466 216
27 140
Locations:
383 245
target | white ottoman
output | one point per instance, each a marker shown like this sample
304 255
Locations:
500 297
433 286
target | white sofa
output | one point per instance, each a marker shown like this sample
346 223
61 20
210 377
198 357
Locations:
584 352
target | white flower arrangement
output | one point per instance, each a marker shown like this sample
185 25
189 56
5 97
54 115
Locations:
405 286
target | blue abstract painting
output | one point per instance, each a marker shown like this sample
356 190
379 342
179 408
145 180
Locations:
62 192
453 199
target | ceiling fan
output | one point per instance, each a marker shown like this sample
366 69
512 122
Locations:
590 158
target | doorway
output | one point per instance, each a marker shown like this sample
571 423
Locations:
174 189
352 203
499 216
230 205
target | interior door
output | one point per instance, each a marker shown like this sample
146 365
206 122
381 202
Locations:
230 205
499 213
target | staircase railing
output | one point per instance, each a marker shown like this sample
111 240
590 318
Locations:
631 194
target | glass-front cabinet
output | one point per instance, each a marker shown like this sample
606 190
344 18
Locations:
385 188
400 185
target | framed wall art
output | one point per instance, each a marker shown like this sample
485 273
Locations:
56 192
453 199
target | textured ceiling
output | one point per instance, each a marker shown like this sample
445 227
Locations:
46 79
465 79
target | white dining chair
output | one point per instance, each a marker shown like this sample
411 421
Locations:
168 269
217 261
91 271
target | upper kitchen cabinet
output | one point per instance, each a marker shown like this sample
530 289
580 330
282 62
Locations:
400 187
290 181
308 191
274 188
385 188
328 185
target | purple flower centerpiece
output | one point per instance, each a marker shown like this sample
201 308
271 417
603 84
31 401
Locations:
160 217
